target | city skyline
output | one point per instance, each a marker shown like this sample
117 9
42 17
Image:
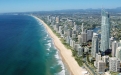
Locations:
47 5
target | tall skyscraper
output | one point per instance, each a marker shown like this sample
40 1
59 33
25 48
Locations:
80 50
57 19
118 53
69 32
110 42
119 43
105 31
83 35
114 47
95 45
89 35
75 27
79 39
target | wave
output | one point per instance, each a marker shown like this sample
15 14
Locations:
48 49
60 63
49 41
49 44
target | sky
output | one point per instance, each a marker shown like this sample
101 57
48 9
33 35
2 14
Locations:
48 5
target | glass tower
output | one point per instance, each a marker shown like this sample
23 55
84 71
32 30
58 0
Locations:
105 31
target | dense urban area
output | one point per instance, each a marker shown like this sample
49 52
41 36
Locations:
93 36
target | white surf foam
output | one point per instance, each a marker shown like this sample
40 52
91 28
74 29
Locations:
49 44
60 63
49 41
48 49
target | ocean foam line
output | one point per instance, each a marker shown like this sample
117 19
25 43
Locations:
48 49
60 63
60 60
49 44
49 41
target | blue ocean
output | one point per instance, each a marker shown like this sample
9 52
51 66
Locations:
27 49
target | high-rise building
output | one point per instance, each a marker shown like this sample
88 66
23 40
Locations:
80 50
69 32
105 59
98 57
105 31
110 42
73 44
120 43
89 35
68 39
57 19
75 27
60 29
95 45
48 18
65 29
76 47
57 27
114 47
73 36
114 64
70 22
101 66
86 49
118 53
79 39
83 35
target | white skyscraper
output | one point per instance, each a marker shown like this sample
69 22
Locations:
110 42
114 47
80 51
75 27
98 57
120 43
79 39
105 31
57 19
60 29
83 35
95 45
118 53
105 59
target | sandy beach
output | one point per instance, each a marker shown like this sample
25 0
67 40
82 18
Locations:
66 54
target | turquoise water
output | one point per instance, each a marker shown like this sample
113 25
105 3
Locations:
26 48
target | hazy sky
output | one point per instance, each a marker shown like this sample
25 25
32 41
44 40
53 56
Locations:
47 5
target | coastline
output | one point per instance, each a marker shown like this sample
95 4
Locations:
65 53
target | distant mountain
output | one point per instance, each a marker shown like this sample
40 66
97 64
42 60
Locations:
70 11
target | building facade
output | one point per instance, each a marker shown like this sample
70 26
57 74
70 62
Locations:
105 31
114 64
114 47
95 45
118 53
101 67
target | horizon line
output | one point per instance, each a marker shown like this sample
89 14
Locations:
53 10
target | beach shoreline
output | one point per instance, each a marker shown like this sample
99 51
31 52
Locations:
65 53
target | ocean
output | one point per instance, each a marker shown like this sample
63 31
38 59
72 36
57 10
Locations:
27 49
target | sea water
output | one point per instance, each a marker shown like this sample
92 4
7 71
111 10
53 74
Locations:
27 49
